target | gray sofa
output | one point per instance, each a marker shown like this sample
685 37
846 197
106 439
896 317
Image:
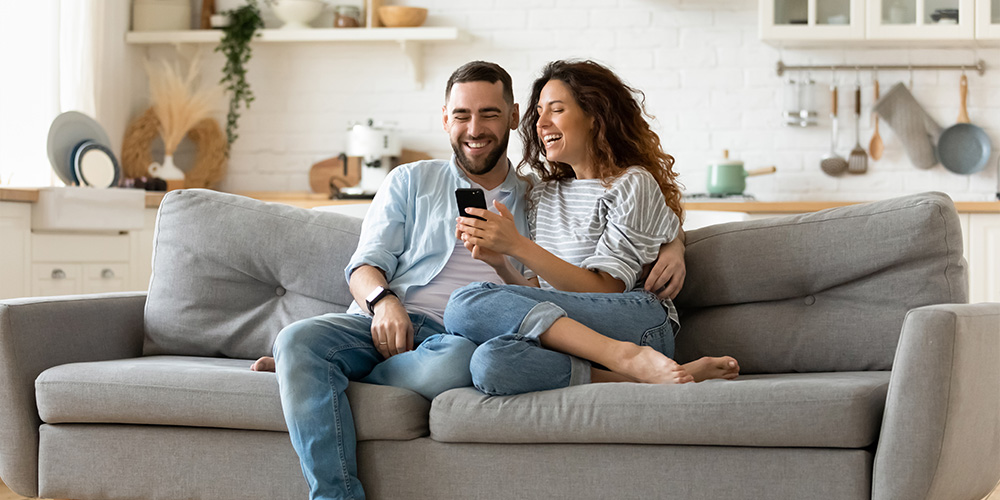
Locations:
865 374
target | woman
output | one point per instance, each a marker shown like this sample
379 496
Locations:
606 202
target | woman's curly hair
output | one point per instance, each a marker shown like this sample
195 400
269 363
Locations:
621 135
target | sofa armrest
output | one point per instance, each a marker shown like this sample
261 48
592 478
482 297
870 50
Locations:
940 434
39 333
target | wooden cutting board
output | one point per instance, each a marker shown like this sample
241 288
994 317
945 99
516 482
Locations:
331 170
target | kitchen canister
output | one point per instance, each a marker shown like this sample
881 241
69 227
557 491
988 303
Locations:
161 15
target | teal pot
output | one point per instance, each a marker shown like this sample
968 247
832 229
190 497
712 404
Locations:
727 176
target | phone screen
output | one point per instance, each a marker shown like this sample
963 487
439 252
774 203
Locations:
470 197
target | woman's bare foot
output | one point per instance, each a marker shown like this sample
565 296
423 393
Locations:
264 364
706 368
644 364
598 376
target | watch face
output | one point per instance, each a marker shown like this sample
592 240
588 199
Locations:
374 295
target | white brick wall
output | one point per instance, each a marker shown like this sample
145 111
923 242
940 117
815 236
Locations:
708 80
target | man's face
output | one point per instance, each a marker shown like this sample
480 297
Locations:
479 122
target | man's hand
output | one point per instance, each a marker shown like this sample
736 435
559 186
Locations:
667 276
392 330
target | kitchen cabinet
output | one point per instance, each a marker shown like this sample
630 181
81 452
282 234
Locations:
812 20
66 263
984 257
15 235
912 20
988 20
878 22
46 263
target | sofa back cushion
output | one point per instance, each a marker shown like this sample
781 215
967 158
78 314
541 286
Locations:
819 292
229 272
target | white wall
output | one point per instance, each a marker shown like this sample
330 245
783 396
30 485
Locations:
709 81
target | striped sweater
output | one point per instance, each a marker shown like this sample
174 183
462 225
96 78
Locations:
616 229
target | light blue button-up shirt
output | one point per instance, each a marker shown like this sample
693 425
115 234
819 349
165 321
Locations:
409 231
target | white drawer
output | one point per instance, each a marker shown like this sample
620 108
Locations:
47 247
57 278
105 277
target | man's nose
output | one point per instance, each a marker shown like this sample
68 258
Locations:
477 126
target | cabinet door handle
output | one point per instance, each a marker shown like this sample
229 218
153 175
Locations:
107 273
58 274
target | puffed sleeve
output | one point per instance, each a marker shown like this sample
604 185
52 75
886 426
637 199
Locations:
638 222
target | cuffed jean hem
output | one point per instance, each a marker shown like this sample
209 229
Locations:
579 371
539 319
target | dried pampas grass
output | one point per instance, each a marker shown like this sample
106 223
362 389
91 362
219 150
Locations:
209 165
177 104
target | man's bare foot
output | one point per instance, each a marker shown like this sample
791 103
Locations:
644 364
707 368
265 364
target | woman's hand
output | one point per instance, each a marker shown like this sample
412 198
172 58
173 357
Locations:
496 260
498 233
667 276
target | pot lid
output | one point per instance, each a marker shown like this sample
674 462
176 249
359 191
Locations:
726 160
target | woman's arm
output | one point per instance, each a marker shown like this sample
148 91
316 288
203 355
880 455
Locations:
499 234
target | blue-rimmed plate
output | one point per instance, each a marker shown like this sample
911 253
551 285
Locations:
67 131
95 165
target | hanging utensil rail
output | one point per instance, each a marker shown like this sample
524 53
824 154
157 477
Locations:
979 67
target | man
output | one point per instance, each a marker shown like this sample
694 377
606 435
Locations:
407 264
407 255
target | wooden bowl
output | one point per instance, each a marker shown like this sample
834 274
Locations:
397 16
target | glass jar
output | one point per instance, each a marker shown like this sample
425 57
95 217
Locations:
346 16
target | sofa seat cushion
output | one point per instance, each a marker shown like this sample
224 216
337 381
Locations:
838 410
206 392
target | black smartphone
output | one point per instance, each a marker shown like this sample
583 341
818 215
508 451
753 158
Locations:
470 197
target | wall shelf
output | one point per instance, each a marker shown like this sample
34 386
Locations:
410 40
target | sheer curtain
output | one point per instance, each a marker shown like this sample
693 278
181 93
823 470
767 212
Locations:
52 53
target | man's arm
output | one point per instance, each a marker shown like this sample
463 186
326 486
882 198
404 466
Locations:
392 330
666 278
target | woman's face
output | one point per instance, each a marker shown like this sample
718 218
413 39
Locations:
563 127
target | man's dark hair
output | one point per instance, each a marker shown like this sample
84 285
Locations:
481 71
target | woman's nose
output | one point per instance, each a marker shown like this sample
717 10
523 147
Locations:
544 118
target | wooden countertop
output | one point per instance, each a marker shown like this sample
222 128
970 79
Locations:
305 199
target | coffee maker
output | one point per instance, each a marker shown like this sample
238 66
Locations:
376 145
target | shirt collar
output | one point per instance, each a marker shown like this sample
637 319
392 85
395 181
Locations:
507 187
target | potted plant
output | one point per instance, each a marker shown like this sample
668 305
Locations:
235 46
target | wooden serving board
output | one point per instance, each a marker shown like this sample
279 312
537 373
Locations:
331 170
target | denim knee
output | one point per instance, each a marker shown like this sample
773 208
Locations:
293 337
488 369
460 315
446 366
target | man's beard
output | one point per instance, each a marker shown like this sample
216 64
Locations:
488 162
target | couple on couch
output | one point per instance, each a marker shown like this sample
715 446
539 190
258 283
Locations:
558 295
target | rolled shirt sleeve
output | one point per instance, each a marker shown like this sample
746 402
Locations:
383 234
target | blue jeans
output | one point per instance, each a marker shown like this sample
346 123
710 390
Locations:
506 321
316 357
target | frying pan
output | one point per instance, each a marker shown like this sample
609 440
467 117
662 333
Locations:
964 148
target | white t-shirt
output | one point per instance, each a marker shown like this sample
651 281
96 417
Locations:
460 270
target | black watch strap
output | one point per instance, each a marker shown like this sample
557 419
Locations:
378 294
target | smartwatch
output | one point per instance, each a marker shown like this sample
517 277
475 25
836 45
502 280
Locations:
378 294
